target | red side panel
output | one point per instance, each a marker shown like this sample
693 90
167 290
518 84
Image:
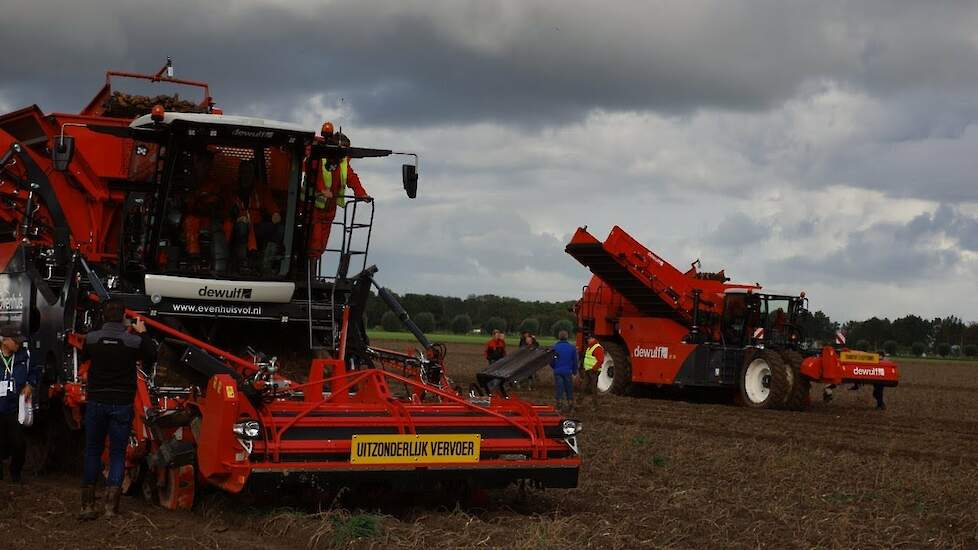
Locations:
833 367
217 448
98 155
656 348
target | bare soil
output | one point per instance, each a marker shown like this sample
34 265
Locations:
658 473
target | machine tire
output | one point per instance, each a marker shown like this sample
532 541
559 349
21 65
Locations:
616 375
764 381
55 445
176 487
799 398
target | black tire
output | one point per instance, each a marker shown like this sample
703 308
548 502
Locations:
620 370
764 381
54 444
799 398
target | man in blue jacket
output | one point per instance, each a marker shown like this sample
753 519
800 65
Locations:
18 376
564 364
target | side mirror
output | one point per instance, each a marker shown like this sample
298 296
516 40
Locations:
63 148
409 174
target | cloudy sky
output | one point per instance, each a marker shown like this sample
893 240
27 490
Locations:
823 146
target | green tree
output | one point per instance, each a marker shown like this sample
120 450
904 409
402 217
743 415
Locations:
970 350
890 347
390 322
530 325
862 345
918 348
561 324
949 329
425 321
461 324
911 328
943 349
817 327
494 323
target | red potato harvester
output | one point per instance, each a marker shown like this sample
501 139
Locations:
664 327
202 223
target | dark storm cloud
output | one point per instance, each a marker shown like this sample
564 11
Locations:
738 230
895 252
435 62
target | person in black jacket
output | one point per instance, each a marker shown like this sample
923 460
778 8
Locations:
114 352
18 376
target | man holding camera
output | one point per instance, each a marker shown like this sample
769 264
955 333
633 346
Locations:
114 351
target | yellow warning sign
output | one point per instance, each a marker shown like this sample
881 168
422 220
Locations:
860 357
415 449
230 391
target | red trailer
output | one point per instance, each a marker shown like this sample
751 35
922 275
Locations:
664 327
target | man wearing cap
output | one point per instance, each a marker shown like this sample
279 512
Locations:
593 360
334 177
18 376
113 351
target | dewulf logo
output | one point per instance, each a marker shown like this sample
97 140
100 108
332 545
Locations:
227 293
875 371
262 134
658 352
11 303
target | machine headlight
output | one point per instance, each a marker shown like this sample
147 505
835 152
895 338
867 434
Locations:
571 427
248 429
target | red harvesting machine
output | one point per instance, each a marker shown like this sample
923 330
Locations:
123 201
664 327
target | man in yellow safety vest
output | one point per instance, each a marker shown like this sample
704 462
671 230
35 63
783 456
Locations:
593 359
331 188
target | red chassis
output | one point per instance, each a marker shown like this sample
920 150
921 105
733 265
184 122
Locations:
188 436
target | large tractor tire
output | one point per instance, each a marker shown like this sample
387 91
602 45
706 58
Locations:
799 398
616 371
764 380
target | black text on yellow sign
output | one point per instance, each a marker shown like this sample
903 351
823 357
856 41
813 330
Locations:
415 449
860 357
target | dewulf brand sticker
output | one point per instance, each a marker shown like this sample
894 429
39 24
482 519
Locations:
11 302
655 352
168 286
875 371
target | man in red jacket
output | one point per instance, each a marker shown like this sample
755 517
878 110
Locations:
332 180
255 221
496 347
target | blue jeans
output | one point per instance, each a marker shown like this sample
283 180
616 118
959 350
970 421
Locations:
114 421
565 385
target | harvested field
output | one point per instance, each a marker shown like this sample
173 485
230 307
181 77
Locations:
659 473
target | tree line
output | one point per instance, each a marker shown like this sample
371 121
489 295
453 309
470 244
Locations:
907 335
464 315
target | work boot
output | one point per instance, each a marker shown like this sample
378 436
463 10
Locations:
112 495
88 512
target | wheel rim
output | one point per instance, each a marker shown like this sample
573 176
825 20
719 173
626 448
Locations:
606 376
757 381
